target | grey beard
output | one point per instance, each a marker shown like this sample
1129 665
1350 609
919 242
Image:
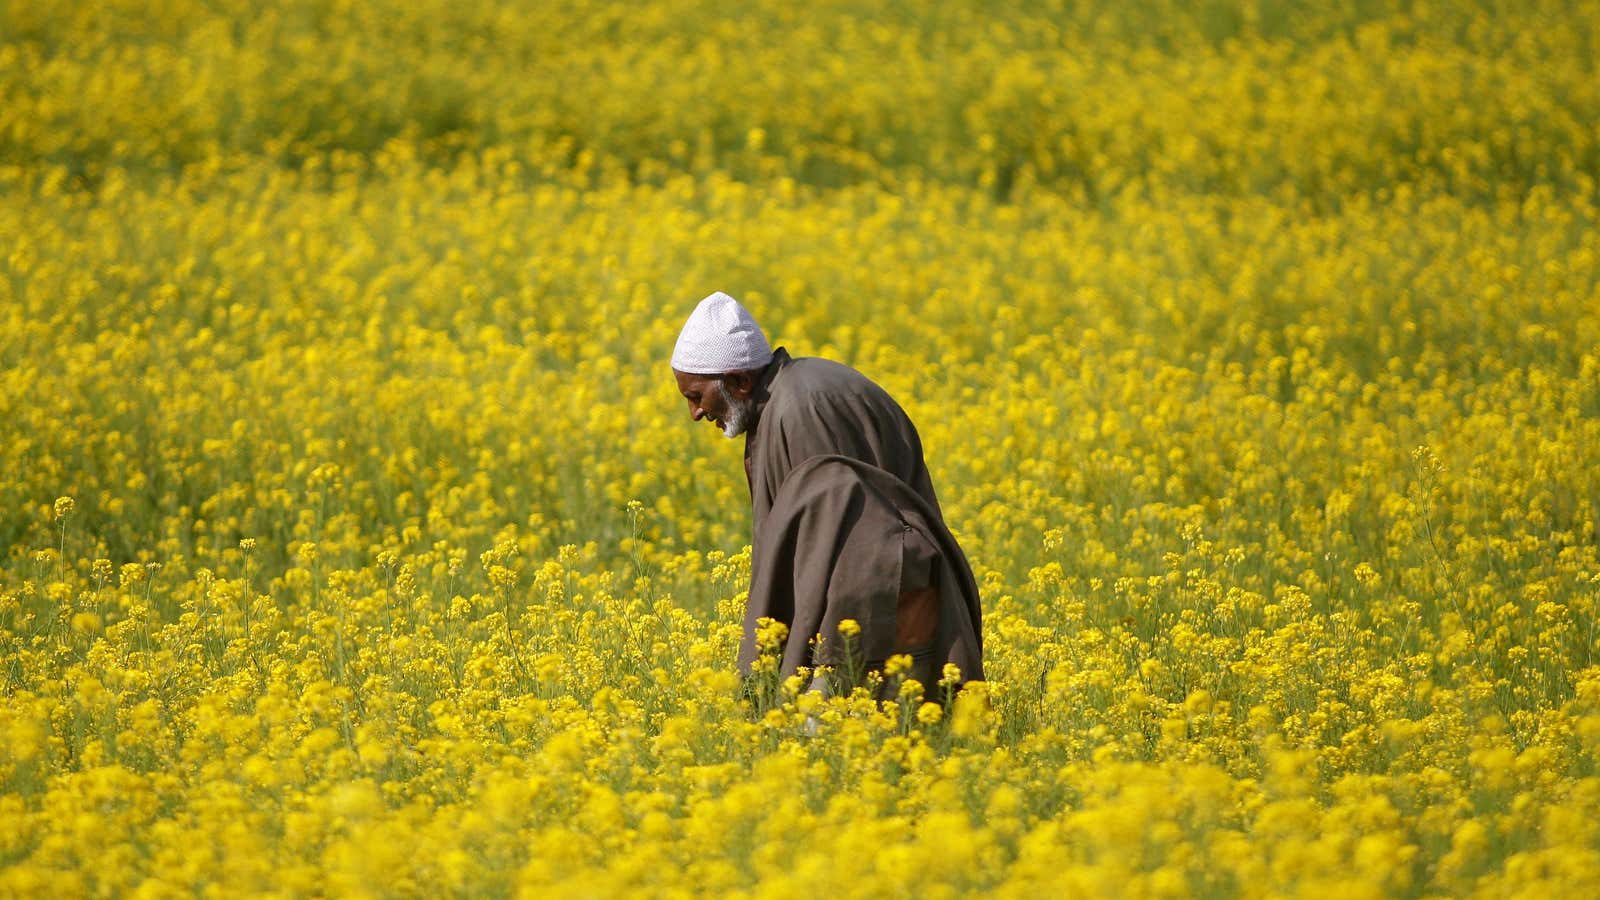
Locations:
740 412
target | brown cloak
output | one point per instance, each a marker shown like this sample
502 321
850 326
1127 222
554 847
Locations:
812 407
842 505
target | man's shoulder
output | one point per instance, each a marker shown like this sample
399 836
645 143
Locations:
813 375
813 388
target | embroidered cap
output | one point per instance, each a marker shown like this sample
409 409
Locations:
720 337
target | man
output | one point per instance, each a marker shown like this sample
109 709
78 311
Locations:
845 523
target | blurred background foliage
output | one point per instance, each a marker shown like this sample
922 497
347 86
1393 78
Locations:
1302 100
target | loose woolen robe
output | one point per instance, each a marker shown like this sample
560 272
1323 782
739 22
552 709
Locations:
841 503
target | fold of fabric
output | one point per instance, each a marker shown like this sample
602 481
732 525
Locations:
833 546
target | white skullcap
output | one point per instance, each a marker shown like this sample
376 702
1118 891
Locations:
720 337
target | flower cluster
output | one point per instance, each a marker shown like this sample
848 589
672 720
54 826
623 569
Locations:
353 538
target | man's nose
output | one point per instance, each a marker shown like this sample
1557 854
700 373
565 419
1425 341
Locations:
697 413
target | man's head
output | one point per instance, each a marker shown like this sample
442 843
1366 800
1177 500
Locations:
720 352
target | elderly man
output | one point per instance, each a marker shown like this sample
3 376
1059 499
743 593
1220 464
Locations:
845 523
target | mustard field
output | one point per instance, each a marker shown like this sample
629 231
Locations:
354 540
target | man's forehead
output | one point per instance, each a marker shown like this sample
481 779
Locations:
689 382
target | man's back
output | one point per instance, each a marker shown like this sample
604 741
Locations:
809 407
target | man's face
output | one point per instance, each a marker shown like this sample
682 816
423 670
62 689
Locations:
723 400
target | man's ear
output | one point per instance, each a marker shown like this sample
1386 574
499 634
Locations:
739 384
